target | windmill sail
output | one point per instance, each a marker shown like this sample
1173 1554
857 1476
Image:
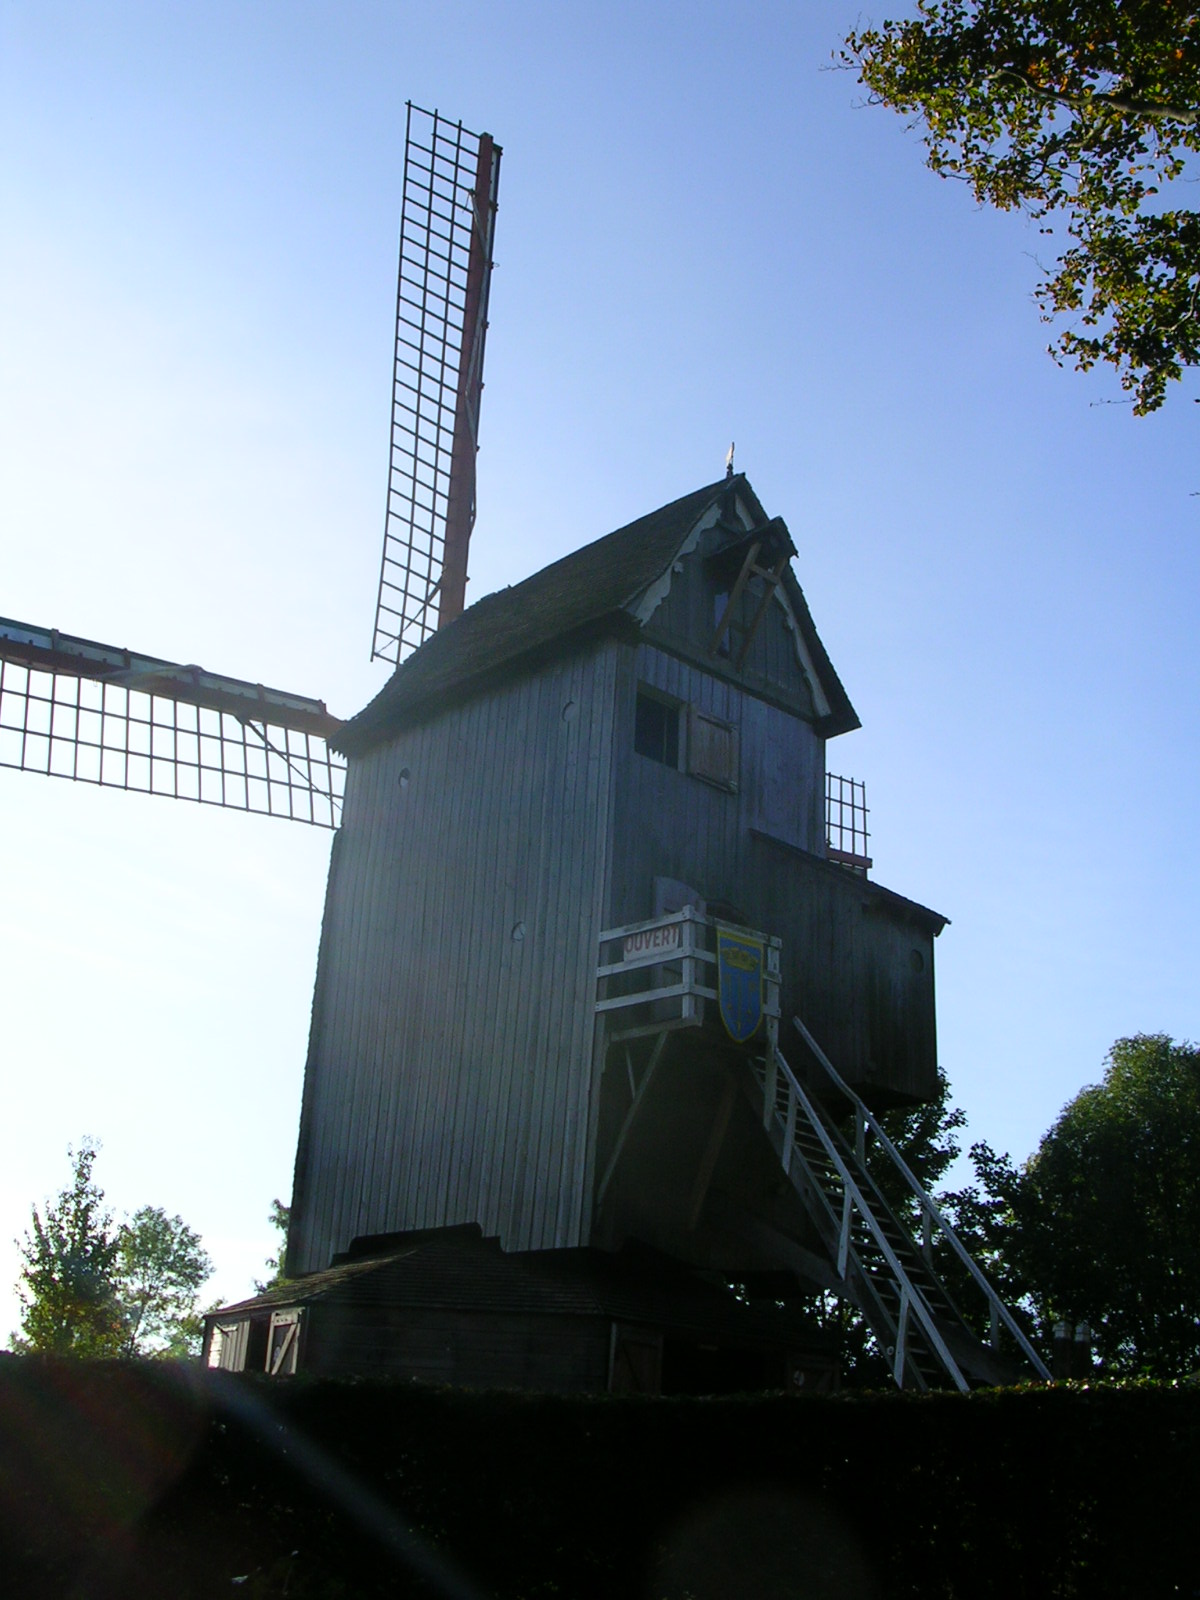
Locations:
447 223
72 708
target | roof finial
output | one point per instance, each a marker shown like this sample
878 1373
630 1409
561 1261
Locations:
729 462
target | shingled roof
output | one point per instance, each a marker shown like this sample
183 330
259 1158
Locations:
588 592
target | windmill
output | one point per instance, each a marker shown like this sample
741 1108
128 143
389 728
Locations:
95 713
570 814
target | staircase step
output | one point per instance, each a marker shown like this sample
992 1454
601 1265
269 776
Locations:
815 1175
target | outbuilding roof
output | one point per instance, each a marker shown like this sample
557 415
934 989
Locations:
457 1269
592 591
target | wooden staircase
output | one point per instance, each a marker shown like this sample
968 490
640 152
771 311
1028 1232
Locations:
886 1272
657 976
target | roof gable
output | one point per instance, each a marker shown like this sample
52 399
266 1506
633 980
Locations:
613 584
730 602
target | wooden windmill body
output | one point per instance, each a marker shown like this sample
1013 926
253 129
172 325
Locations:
504 808
549 809
532 1149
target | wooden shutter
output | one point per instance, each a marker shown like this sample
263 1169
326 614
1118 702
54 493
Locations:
712 749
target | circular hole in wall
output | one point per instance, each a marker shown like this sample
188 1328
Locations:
518 932
402 780
917 961
570 711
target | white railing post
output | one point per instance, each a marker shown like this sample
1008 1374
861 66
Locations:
789 1131
844 1236
901 1337
772 975
688 931
770 1079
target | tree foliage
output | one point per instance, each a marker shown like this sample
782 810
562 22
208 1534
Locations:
68 1306
161 1265
982 1216
280 1219
1079 112
1100 1226
92 1288
925 1136
1105 1216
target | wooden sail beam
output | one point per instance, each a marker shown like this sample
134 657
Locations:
735 594
447 225
75 708
460 504
48 650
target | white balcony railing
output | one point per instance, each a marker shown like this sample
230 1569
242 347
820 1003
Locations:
658 974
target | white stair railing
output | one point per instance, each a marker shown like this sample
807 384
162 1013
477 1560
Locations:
912 1301
932 1216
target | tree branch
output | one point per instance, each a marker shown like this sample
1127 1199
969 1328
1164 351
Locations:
1137 109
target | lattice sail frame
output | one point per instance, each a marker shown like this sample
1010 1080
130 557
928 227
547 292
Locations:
86 724
447 226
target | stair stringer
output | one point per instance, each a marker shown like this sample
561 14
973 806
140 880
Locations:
859 1285
880 1267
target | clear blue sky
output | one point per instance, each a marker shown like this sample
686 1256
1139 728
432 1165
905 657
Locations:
703 236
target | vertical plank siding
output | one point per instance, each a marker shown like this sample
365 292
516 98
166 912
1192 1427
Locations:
493 1350
450 1063
855 966
453 1060
671 824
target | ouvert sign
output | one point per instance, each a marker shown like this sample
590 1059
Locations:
640 944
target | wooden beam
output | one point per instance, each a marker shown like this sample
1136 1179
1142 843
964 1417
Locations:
735 594
630 1115
712 1150
772 583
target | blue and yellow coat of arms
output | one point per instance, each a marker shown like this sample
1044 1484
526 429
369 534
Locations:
740 983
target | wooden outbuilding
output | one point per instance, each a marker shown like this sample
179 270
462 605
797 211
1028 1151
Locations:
449 1306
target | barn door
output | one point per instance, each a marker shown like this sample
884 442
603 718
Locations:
635 1360
283 1345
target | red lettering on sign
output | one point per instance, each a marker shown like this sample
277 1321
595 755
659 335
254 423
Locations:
661 938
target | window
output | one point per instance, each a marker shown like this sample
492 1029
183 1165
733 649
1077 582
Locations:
656 729
686 739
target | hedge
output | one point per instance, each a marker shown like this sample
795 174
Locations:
153 1480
